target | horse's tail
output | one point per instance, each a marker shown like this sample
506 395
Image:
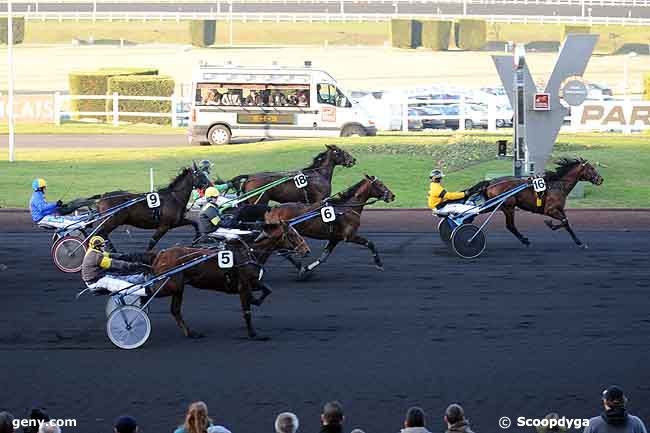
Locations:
478 188
238 182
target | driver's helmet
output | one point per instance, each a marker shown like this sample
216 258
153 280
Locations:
211 192
96 242
38 184
205 166
436 174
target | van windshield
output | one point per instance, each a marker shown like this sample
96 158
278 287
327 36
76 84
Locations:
331 95
253 95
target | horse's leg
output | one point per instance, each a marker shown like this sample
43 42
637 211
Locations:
292 260
304 270
266 291
509 212
559 214
160 232
371 246
246 297
177 302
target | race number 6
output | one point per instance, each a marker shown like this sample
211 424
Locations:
300 180
153 200
539 185
225 259
327 214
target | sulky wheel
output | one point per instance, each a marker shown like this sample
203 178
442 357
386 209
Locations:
128 327
68 253
468 241
445 228
114 302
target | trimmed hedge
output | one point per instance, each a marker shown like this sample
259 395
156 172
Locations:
203 32
405 33
436 34
142 85
575 29
18 28
96 83
470 34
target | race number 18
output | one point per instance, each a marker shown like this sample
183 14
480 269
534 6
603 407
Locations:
225 259
153 200
300 180
539 185
327 214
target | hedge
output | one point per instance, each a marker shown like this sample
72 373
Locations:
18 28
470 34
436 34
405 33
575 29
96 83
203 32
141 85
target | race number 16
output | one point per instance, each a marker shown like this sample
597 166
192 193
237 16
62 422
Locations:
225 259
539 185
153 200
327 214
300 180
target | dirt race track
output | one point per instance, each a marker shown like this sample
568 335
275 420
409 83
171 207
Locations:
519 332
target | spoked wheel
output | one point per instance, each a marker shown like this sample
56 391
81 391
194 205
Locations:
445 229
68 253
128 327
114 302
468 241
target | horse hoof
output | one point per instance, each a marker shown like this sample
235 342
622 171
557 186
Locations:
549 224
379 267
525 241
583 246
304 274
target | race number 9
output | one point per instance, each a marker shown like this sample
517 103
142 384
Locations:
153 200
539 185
226 259
300 180
327 214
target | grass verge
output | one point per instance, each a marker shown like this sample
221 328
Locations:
403 163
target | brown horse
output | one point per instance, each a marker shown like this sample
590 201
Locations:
559 184
170 214
319 179
242 279
348 206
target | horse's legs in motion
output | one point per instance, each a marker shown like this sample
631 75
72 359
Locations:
246 297
371 246
160 232
293 260
266 291
559 214
509 212
322 259
177 302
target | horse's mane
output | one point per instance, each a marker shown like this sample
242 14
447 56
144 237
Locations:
564 165
174 183
317 159
346 195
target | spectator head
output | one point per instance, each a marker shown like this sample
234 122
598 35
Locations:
196 420
414 417
613 398
6 422
37 414
49 427
332 413
454 414
286 422
126 424
554 429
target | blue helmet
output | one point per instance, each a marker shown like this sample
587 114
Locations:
38 184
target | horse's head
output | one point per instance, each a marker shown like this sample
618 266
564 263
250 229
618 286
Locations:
379 190
200 178
589 173
281 236
340 156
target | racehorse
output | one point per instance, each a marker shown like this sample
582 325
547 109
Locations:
243 278
170 214
318 173
348 206
559 184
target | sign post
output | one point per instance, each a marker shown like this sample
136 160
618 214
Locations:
10 96
520 151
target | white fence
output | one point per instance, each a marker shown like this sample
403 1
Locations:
637 3
61 100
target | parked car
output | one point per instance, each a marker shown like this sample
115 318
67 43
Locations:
430 122
599 92
415 124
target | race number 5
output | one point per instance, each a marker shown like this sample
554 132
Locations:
153 200
226 259
300 180
539 185
327 214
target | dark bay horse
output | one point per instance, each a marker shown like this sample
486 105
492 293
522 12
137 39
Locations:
242 279
319 179
559 184
170 214
348 206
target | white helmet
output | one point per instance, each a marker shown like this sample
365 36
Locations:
436 174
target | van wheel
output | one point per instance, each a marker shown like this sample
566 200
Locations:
218 135
351 130
501 123
469 124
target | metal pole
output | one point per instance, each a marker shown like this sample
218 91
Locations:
151 178
10 98
625 87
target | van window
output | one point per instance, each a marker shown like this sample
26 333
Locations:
252 95
330 95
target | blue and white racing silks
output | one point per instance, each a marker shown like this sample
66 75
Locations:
40 207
